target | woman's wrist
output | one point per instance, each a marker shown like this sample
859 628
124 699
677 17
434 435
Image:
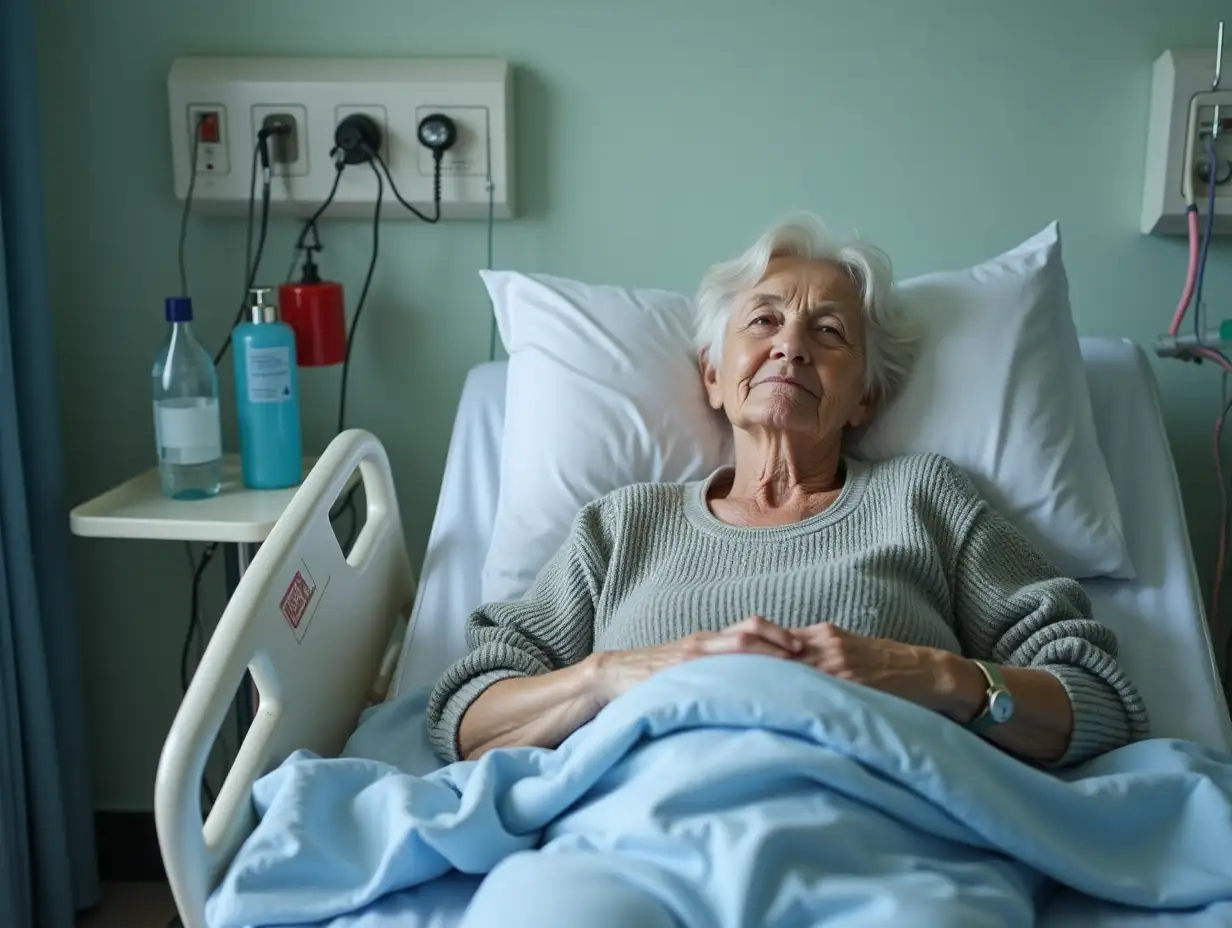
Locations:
961 687
594 678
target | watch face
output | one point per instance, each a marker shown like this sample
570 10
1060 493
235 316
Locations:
1001 706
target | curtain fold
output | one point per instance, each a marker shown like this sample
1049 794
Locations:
47 865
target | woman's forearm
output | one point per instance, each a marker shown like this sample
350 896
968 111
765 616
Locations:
1043 718
541 711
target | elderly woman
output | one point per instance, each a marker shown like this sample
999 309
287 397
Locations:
894 574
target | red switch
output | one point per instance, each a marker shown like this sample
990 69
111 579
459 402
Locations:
210 128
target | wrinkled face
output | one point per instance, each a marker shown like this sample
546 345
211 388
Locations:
793 355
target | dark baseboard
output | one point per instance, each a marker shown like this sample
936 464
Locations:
127 846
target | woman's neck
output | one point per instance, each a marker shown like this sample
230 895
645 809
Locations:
776 480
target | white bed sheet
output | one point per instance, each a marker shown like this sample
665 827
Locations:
1159 615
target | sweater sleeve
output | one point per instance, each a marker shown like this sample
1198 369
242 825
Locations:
551 627
1013 608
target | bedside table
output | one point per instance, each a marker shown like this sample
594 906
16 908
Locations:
237 518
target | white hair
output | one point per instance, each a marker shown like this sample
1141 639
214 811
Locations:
889 338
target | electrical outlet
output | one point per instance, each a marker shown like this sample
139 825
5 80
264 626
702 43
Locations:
468 157
289 153
380 117
284 146
314 96
210 120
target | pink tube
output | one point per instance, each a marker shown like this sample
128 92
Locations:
1211 356
1191 277
1216 587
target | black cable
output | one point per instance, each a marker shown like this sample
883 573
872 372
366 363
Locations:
310 224
339 167
348 503
194 632
363 296
188 200
194 616
252 198
252 275
253 264
436 180
197 568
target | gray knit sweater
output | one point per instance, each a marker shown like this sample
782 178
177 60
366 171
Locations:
908 551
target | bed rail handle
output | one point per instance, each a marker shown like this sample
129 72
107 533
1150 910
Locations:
312 684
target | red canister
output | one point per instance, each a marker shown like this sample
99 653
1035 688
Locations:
315 310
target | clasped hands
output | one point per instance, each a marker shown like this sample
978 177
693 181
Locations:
923 675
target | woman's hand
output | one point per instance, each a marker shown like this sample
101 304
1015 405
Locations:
616 672
927 676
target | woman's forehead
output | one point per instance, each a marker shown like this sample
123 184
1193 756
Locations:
788 275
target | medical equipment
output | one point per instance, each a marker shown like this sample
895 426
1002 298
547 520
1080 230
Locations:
316 678
1205 342
1197 130
1188 102
312 97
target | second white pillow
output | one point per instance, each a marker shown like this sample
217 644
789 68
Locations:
999 388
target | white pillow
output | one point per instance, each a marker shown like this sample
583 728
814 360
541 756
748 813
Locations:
999 388
603 391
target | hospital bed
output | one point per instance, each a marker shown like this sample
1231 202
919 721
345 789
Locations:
322 635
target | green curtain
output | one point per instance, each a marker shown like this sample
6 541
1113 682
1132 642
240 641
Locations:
47 866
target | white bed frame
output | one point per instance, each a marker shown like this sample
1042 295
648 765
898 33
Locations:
313 679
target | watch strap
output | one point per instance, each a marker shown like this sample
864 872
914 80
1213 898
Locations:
996 683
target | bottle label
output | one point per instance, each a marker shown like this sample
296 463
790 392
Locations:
188 430
269 375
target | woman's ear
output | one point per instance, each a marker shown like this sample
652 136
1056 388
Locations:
863 411
710 379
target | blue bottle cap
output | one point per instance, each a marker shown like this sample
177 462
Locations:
179 309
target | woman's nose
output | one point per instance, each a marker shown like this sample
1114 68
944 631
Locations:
791 346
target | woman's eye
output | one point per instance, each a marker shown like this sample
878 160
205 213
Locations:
830 330
763 320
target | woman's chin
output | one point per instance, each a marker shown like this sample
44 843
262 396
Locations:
782 417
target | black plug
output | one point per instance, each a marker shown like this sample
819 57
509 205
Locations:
268 131
281 128
358 136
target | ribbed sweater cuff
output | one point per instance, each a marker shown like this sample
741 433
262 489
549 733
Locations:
445 734
1100 720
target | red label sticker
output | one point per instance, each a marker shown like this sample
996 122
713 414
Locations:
295 600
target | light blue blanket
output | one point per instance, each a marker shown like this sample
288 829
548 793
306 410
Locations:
763 792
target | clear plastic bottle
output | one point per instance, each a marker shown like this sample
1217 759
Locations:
186 413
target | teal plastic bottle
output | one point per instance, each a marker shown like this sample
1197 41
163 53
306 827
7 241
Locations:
267 396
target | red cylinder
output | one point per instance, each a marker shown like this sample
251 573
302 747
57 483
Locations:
317 315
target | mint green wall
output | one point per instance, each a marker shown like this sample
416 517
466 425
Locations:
652 139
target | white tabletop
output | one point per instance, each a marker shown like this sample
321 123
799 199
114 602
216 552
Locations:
137 508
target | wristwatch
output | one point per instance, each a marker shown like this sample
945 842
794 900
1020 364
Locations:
998 700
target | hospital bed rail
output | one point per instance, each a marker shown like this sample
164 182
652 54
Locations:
313 629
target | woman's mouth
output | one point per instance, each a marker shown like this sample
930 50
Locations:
779 379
